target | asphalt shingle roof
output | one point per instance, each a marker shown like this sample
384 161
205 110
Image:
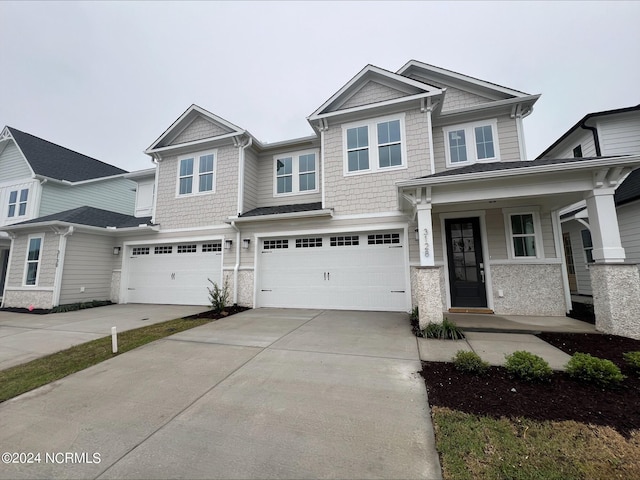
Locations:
94 217
629 190
301 207
53 161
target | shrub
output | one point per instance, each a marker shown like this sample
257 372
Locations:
599 371
528 367
633 360
219 297
470 362
414 317
447 330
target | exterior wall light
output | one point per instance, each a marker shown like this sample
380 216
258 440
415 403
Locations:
116 250
227 243
417 234
245 243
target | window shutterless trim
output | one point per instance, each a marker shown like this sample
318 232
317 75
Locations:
295 172
471 142
196 173
36 261
537 231
373 145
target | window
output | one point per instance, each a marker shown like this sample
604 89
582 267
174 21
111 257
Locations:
383 238
471 142
18 204
374 146
577 152
346 241
587 245
308 242
33 261
295 173
140 251
196 174
211 247
163 250
523 235
275 244
187 248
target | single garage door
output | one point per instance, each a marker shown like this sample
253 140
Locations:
173 274
359 271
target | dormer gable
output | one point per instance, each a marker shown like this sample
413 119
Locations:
194 127
373 87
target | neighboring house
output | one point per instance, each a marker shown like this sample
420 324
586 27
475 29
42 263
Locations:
412 191
39 178
607 133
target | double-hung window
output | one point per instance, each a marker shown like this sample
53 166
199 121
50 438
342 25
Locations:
524 234
472 142
196 173
587 245
374 146
296 173
33 260
18 203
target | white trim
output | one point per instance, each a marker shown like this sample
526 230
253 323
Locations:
281 216
39 261
322 193
471 142
195 229
359 216
231 268
62 249
559 245
29 288
373 145
521 143
329 230
6 275
488 283
195 175
432 158
524 210
295 172
534 261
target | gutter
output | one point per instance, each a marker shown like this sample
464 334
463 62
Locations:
242 147
103 230
236 267
326 212
594 131
44 178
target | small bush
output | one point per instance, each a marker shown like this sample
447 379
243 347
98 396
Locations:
219 297
527 366
72 307
470 362
414 317
447 330
633 360
598 371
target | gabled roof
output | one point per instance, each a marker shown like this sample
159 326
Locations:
190 114
53 161
371 73
431 71
90 216
582 122
629 190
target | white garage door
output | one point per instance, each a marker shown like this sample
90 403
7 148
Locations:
359 271
173 274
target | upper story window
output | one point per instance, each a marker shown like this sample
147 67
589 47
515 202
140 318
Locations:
471 142
296 173
374 146
577 152
196 173
524 234
18 203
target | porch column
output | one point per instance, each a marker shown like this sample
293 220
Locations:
425 235
605 233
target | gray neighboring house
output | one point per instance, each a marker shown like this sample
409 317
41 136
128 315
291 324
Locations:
39 179
606 133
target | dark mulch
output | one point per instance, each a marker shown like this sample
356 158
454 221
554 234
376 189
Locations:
35 311
498 394
216 316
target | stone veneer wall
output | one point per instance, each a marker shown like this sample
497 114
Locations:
428 292
116 275
25 298
616 295
245 287
529 289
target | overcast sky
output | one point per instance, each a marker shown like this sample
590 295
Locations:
106 79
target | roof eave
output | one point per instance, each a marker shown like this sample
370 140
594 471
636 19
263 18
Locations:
326 212
80 226
194 143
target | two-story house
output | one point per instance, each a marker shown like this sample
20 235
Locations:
607 133
414 190
37 179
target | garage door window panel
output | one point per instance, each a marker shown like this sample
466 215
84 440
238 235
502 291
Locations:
275 244
187 248
308 242
163 250
212 247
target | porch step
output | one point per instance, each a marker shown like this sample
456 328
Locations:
487 311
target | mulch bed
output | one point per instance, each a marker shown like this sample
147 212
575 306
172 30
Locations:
497 394
216 316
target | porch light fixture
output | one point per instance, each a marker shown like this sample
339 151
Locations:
245 243
417 234
227 243
116 250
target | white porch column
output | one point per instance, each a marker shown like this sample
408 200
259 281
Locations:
605 233
425 235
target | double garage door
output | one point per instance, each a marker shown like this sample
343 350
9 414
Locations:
359 271
173 274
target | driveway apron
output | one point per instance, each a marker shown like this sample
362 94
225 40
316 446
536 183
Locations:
269 393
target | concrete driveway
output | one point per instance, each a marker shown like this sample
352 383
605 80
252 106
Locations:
267 393
24 337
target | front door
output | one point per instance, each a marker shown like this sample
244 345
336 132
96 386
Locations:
571 268
466 266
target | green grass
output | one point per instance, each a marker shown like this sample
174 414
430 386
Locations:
22 378
477 447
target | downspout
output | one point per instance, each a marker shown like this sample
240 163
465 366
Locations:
156 161
429 109
6 275
241 160
519 115
236 267
596 140
323 127
62 249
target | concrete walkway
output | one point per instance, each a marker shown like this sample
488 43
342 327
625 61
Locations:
25 337
264 394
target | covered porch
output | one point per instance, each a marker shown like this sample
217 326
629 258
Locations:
490 240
